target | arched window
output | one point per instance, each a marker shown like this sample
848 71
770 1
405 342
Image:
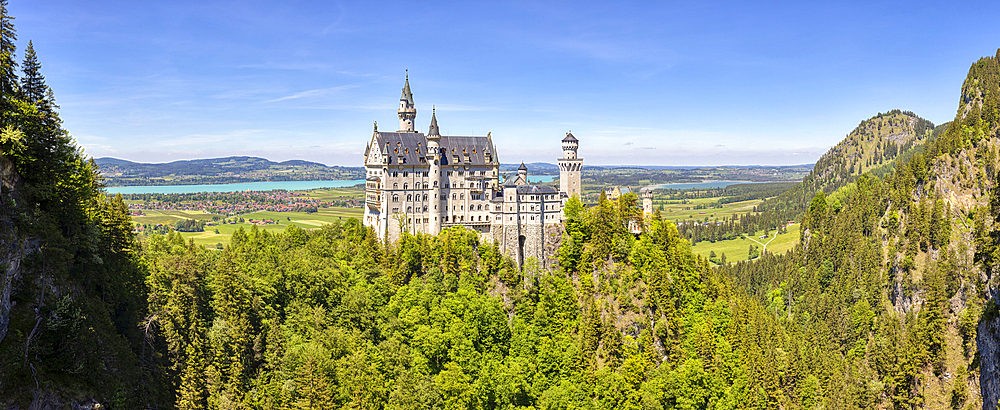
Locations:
395 198
395 174
454 196
395 185
425 208
406 186
409 198
480 208
461 196
409 209
425 197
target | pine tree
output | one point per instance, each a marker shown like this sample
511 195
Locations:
8 67
33 86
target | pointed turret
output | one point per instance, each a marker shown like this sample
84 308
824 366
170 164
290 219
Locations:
407 95
434 131
407 111
522 174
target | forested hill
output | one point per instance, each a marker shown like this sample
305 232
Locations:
873 146
900 272
119 172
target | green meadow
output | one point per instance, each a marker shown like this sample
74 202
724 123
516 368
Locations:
222 233
738 249
682 212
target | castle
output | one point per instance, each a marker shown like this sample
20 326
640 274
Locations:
425 183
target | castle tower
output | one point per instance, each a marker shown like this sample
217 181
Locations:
570 167
407 111
647 203
434 154
522 174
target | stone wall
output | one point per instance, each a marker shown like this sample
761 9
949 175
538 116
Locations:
552 242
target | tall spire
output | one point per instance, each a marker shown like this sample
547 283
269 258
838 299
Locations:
434 131
406 89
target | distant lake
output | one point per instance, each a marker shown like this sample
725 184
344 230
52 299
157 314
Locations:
700 185
257 186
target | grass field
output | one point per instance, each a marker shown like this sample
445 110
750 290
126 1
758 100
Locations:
686 212
738 249
225 231
156 216
330 194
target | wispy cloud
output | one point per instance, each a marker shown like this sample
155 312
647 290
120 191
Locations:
314 93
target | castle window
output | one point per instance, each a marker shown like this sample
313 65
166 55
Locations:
425 174
435 184
405 174
461 196
480 218
425 197
409 198
409 209
395 185
446 218
395 198
425 208
454 196
406 186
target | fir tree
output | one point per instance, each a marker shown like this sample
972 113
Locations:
33 86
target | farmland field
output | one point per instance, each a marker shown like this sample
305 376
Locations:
738 249
225 231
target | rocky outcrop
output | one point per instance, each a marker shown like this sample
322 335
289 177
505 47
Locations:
988 344
13 253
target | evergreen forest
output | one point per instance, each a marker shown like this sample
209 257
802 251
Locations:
889 300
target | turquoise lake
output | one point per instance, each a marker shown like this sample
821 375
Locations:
258 186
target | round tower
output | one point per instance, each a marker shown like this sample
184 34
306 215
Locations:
407 110
647 202
522 173
570 167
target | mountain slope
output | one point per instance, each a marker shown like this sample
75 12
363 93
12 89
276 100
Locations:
119 172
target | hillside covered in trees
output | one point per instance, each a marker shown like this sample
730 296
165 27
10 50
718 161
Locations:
889 301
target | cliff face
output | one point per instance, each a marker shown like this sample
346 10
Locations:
988 341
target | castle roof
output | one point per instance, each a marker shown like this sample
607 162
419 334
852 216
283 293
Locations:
407 95
434 130
569 137
522 167
410 148
537 189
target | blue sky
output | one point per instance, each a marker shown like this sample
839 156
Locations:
663 83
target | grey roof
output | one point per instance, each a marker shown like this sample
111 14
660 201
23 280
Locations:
412 147
522 167
408 146
537 189
434 130
406 91
469 150
569 137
